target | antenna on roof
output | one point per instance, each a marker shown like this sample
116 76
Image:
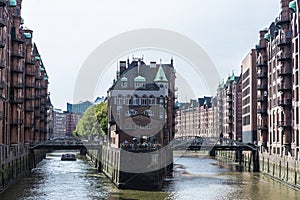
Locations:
139 62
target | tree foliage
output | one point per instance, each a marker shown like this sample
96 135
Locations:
93 122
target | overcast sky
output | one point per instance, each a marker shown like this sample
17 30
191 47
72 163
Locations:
67 31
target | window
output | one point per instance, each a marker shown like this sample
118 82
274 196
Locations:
151 100
144 100
149 113
124 84
139 85
131 112
135 100
128 100
119 100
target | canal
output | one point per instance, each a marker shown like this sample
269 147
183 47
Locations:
195 177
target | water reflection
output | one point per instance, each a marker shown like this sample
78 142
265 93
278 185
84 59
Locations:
194 178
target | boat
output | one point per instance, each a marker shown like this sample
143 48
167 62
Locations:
68 157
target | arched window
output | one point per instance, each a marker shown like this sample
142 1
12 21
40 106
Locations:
144 100
128 100
152 100
136 100
120 100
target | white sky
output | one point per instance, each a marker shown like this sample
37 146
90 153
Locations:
67 31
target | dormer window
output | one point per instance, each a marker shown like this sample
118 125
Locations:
139 82
124 82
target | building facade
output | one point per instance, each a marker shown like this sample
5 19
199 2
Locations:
80 107
141 115
278 77
59 118
23 93
140 100
72 120
249 97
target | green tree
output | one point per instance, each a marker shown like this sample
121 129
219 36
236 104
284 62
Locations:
93 122
101 114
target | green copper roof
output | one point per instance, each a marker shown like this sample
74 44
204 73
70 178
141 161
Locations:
37 58
139 79
124 79
27 35
22 21
42 69
267 37
293 5
232 77
160 75
13 3
46 78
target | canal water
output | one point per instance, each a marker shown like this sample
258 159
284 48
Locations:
195 177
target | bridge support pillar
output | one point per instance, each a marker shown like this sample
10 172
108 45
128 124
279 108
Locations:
212 153
255 156
239 156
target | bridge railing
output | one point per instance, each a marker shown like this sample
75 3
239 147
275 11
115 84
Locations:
209 142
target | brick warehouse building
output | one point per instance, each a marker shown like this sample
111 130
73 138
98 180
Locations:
269 91
142 93
141 115
24 102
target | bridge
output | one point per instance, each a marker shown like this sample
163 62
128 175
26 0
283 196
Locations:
216 144
210 144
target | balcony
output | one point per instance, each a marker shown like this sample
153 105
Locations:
19 38
30 61
284 41
284 124
3 3
17 69
262 98
261 63
2 85
29 109
37 114
30 73
229 92
29 125
262 111
229 121
284 71
18 85
18 54
229 100
282 20
38 77
30 97
284 56
262 127
262 86
260 47
17 100
229 113
2 44
284 87
30 85
16 122
2 64
262 75
2 22
285 102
